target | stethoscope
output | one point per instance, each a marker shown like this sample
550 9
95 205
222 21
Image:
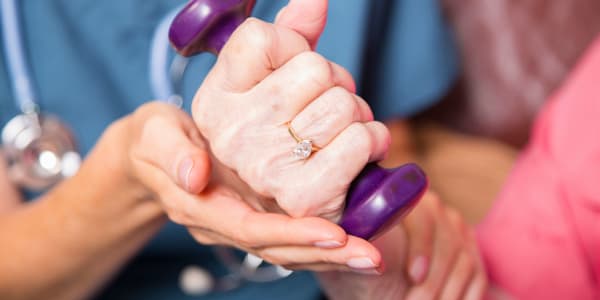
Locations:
41 150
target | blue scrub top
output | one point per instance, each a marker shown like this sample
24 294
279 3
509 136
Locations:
89 62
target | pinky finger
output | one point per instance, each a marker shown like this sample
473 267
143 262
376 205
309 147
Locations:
460 278
333 267
477 288
348 153
357 253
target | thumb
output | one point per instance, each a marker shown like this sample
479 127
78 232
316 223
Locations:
171 144
193 166
307 17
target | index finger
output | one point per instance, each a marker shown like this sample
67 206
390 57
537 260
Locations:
229 215
271 229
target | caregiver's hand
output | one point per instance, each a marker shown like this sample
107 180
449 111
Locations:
431 255
166 154
266 79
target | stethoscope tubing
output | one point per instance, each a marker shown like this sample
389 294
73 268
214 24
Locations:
160 78
24 92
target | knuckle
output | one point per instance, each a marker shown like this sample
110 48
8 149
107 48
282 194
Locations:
255 33
343 103
361 138
380 128
261 171
317 68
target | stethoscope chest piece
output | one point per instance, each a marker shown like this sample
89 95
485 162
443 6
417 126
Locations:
40 150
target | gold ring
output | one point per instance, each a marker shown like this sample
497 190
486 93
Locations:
304 148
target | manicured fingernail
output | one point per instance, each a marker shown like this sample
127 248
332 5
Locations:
328 244
418 269
361 263
367 271
185 169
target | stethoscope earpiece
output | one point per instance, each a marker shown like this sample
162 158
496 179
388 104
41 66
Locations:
40 151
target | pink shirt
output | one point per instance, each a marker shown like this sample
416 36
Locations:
541 239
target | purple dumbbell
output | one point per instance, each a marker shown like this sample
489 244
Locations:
378 196
205 26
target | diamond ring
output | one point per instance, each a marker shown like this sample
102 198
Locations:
304 148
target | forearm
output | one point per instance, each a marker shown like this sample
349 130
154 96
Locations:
69 243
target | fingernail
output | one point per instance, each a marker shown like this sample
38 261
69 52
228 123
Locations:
185 169
361 263
328 244
367 271
418 269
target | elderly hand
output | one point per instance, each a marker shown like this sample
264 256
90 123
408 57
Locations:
431 255
166 155
268 78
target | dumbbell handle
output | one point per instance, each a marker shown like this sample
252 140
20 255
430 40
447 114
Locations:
377 196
